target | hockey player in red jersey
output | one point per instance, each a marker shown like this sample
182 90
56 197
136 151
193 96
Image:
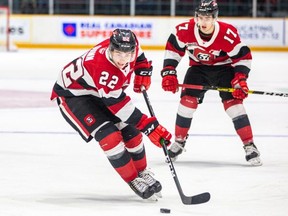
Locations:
217 57
91 97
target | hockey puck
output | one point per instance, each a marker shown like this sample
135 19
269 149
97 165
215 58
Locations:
165 210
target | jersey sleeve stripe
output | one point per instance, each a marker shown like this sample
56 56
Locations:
123 110
172 55
239 51
175 45
135 117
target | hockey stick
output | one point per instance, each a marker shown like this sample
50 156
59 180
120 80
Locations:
187 200
200 87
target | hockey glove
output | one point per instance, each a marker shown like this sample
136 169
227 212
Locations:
169 80
240 84
155 132
142 78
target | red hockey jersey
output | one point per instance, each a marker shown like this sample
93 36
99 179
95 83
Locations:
95 74
224 47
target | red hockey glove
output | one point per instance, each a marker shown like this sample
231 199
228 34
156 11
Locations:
156 132
169 80
240 84
142 78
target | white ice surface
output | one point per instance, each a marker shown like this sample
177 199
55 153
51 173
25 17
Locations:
46 169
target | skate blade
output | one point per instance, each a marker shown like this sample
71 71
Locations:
158 195
153 198
255 161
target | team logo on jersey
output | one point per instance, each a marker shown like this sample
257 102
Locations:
69 29
127 39
203 56
89 119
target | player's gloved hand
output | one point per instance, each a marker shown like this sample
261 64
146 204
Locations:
156 132
240 84
142 78
169 79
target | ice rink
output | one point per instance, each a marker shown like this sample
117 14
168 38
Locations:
47 169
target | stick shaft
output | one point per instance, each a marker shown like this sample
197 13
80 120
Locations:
197 199
223 89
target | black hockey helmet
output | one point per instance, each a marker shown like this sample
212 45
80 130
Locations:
207 8
122 40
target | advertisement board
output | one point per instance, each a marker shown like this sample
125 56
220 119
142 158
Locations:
153 32
20 29
260 32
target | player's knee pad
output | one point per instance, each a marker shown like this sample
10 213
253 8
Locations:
187 106
133 139
110 140
234 108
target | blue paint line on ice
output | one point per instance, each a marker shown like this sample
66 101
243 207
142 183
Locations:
191 135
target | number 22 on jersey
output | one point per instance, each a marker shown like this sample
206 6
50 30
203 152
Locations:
73 71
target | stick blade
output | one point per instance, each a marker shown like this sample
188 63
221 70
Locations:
197 199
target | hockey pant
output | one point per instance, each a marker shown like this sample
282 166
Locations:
122 143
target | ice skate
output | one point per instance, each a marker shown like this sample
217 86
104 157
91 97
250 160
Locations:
154 185
176 149
141 188
252 154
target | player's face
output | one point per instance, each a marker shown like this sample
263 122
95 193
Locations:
206 23
120 59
